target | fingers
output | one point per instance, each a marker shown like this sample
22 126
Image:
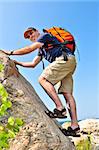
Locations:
6 52
15 61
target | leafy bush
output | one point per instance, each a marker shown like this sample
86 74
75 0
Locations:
11 128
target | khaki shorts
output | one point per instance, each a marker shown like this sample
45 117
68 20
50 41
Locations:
61 70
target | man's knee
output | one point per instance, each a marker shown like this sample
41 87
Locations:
41 80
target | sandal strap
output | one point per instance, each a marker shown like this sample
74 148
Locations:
73 130
50 114
56 111
59 114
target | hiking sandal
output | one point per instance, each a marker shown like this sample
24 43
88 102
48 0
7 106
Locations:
50 114
71 132
59 113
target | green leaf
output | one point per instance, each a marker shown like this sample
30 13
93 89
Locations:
4 139
4 99
2 112
1 67
16 128
3 107
3 92
11 121
3 145
1 86
8 104
1 128
19 121
11 134
3 135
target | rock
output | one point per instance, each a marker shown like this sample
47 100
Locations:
89 131
89 125
39 131
95 140
66 125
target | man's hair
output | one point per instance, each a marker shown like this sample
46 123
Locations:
28 30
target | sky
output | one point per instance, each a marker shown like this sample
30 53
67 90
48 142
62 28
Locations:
81 18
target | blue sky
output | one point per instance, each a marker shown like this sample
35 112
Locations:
81 18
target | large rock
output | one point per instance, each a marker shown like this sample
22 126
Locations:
39 131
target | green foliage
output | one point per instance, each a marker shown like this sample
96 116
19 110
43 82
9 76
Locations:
9 131
13 125
1 67
19 121
4 99
3 140
84 145
11 121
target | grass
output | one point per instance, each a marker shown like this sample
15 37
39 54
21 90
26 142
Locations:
84 144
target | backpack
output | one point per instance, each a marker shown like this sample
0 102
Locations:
63 36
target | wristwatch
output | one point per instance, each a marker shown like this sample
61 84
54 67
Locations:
11 52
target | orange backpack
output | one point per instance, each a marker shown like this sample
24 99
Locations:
63 36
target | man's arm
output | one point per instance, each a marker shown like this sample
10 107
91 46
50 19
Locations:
32 64
24 50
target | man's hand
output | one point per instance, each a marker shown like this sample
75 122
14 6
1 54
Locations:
16 63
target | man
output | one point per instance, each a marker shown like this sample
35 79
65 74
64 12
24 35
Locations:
61 68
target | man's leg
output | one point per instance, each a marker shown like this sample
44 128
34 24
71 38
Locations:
71 105
50 90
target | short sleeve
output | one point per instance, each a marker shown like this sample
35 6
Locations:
44 38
